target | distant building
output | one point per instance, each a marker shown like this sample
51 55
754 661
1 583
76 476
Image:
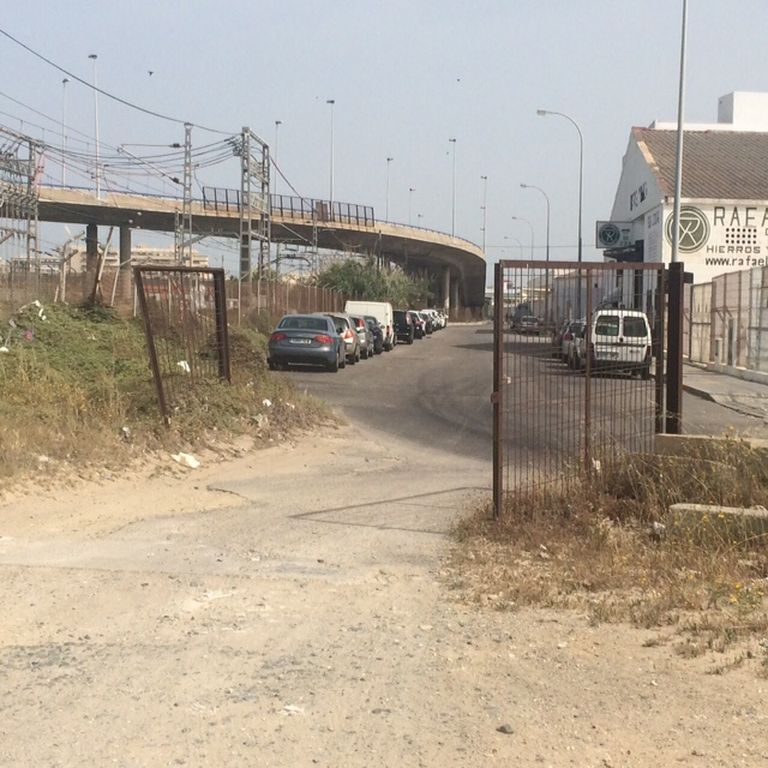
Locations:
141 254
724 200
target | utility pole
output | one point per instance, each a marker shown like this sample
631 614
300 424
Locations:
484 179
94 57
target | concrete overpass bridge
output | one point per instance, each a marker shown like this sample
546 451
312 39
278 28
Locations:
458 264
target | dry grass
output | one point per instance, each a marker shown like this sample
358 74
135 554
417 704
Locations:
593 547
73 381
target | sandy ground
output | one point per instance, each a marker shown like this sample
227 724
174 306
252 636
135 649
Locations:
289 608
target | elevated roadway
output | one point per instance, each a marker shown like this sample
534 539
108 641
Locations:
458 264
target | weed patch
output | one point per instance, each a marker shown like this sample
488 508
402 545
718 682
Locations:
77 391
604 546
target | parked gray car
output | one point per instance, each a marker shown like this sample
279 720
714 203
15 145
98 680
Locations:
306 340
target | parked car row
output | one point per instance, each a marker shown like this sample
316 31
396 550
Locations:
334 339
618 340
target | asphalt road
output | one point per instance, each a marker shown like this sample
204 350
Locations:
436 393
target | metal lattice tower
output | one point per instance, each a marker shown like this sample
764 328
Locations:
254 201
19 199
186 211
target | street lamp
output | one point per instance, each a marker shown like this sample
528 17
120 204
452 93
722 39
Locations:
278 123
411 190
546 197
543 112
331 102
546 294
517 240
64 131
386 198
520 218
93 57
453 190
484 179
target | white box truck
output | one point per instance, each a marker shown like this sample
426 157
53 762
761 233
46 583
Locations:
382 311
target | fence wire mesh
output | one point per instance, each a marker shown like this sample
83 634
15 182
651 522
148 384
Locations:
579 367
185 319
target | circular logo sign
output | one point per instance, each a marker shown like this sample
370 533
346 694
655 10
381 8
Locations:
609 234
694 228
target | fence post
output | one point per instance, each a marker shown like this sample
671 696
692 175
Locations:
496 396
675 350
658 346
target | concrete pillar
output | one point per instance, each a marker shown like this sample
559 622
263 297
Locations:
91 247
125 248
455 295
125 273
446 290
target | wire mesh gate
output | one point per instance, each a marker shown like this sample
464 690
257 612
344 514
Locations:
579 367
185 321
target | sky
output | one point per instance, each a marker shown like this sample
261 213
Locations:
406 77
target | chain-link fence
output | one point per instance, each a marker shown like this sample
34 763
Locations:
579 367
726 320
185 320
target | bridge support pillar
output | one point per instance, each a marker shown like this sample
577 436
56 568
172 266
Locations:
455 296
446 290
124 274
91 247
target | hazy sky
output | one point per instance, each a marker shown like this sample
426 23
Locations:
406 77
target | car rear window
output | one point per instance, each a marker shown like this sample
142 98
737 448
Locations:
607 325
304 323
635 327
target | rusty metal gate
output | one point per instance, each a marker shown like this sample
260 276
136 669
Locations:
587 366
185 320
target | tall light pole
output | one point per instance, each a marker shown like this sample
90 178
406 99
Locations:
411 190
581 187
386 197
94 57
484 179
520 218
331 102
278 123
546 276
517 240
64 131
546 197
679 152
453 189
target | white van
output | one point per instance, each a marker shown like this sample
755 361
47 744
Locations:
619 339
382 311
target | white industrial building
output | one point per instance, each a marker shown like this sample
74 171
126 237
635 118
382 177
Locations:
723 226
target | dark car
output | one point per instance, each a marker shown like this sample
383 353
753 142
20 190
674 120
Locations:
378 333
306 340
404 326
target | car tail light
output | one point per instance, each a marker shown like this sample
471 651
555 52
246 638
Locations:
568 337
648 353
323 339
277 336
348 334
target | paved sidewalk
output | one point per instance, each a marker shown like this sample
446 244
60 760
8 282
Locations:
748 397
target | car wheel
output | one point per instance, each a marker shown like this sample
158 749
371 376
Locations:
334 366
272 365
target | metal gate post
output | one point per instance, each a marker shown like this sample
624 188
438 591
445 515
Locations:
675 349
496 395
658 347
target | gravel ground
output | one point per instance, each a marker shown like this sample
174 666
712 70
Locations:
289 607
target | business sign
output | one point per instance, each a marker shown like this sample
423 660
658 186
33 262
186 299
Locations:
729 235
613 234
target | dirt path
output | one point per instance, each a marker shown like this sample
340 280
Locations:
289 608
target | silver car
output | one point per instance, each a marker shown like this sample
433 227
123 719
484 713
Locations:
345 327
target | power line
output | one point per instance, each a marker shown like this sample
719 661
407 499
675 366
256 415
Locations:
106 93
